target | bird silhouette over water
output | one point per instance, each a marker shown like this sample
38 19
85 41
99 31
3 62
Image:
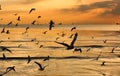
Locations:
3 30
0 7
33 22
77 49
47 58
71 46
18 18
44 32
7 32
73 28
51 24
10 68
39 17
41 68
103 63
5 49
9 23
29 59
32 9
4 57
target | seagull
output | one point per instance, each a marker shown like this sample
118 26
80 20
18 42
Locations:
77 49
51 25
33 22
73 28
9 23
40 66
71 46
39 17
71 36
16 24
32 9
29 59
44 32
88 49
3 30
57 38
41 46
7 32
10 68
15 14
18 18
103 63
98 56
19 45
113 49
0 7
104 41
47 58
5 48
4 57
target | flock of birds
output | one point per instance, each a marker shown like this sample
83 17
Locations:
51 25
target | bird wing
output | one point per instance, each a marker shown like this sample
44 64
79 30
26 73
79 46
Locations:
31 10
39 64
9 50
64 44
74 39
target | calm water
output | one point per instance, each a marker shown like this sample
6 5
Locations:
62 62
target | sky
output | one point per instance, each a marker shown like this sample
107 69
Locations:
61 11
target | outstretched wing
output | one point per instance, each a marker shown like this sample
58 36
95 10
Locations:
39 64
31 10
9 50
74 39
64 44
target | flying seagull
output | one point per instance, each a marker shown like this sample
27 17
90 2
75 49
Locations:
5 49
47 58
9 23
77 49
29 59
0 7
32 9
39 17
40 66
10 68
18 18
4 57
73 28
34 22
71 46
3 30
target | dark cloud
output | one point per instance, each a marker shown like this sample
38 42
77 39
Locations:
114 5
30 1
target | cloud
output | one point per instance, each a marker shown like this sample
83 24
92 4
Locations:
111 7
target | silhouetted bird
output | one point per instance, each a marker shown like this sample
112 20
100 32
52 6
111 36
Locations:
40 66
10 68
113 49
103 63
7 32
44 32
63 34
39 16
15 14
4 57
41 46
27 28
47 58
32 9
71 46
57 38
88 49
3 30
18 18
77 49
19 45
5 49
33 22
9 23
16 24
29 59
0 7
51 25
98 56
104 41
73 28
71 36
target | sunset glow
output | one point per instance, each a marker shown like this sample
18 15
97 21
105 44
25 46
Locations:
61 11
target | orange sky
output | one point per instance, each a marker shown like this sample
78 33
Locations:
61 11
